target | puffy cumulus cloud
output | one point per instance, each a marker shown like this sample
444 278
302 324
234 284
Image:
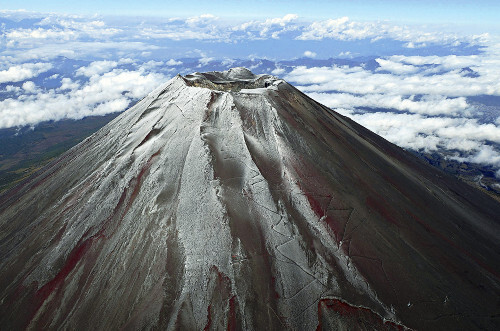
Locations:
92 28
64 35
227 62
344 29
405 130
205 60
29 87
203 19
485 66
40 33
417 102
203 27
96 68
272 27
58 31
429 105
331 28
59 28
173 62
102 94
278 71
448 62
310 54
361 81
68 84
131 84
152 65
461 139
395 67
470 128
420 132
17 73
282 21
486 154
73 37
411 44
279 21
12 89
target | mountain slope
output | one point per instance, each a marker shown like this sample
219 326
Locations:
229 200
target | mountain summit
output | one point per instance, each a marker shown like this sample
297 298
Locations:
232 200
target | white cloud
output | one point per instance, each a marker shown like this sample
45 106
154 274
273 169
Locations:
484 155
17 73
395 67
344 29
281 21
205 60
96 68
270 27
448 62
12 89
202 19
152 65
78 50
110 92
176 33
411 44
60 31
310 54
428 105
278 71
227 62
358 80
432 92
331 28
126 61
94 29
203 27
39 33
173 62
29 87
68 84
429 133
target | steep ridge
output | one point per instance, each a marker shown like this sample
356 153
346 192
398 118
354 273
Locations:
231 200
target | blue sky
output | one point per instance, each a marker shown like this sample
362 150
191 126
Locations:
471 13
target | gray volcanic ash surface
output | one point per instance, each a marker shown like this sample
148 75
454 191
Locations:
231 200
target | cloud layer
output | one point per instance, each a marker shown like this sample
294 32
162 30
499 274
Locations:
423 89
417 102
105 92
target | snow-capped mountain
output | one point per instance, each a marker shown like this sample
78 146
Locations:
232 200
